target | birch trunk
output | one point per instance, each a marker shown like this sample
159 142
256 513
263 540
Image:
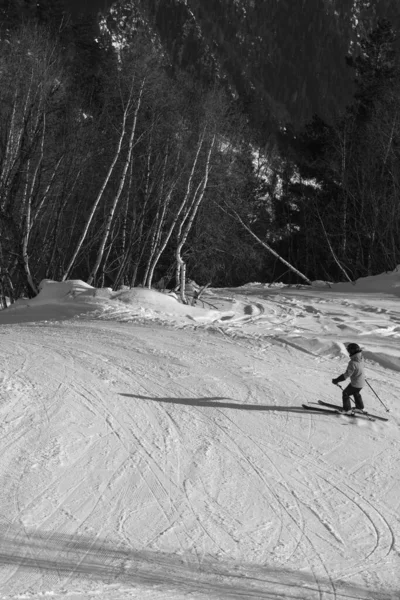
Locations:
99 195
160 220
13 154
25 239
119 191
270 250
27 209
178 213
198 197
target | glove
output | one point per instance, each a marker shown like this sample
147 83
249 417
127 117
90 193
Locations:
335 381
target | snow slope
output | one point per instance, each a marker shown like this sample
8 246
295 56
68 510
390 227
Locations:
152 450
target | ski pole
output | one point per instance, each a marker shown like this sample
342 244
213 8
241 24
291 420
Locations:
387 409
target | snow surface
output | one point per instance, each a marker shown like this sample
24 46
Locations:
156 451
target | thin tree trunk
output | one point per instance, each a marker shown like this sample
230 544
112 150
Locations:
107 256
178 213
160 220
100 194
25 238
46 192
27 205
54 233
389 142
119 191
14 142
335 258
125 215
155 242
268 247
345 199
27 209
192 211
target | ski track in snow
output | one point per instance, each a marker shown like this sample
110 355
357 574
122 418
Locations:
146 458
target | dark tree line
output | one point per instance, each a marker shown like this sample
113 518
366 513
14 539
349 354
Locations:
161 142
341 191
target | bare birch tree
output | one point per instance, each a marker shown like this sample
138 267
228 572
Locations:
30 75
180 208
125 115
121 182
187 221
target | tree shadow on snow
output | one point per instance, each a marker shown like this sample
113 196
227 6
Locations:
214 402
65 561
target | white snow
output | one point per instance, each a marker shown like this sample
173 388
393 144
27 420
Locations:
152 450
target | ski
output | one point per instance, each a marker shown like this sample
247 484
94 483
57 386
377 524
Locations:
318 409
337 407
335 410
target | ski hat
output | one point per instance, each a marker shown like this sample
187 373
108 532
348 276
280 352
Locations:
353 349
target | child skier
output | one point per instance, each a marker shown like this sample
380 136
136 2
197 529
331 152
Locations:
355 370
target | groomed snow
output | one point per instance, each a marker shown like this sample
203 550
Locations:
156 451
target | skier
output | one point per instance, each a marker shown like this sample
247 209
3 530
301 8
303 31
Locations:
355 370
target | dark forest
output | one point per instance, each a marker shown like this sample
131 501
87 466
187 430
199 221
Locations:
226 142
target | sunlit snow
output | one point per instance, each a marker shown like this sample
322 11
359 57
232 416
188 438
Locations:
156 450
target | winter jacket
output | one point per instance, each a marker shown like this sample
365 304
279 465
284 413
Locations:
355 370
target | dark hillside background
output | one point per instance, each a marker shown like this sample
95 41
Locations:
284 61
76 7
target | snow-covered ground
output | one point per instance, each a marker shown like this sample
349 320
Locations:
156 451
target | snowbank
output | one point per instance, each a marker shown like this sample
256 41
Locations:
54 291
75 297
388 283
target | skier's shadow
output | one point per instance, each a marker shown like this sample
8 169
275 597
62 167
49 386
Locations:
214 402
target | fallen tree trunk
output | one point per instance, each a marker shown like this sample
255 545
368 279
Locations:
268 247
